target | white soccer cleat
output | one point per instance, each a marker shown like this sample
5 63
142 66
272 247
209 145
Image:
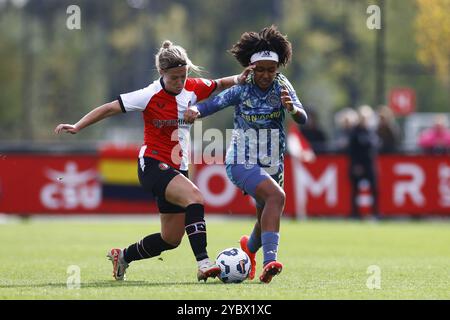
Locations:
119 264
208 270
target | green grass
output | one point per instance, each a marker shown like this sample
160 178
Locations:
323 260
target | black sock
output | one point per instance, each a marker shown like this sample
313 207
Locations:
196 230
150 246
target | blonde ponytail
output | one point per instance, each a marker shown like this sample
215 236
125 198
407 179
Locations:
172 56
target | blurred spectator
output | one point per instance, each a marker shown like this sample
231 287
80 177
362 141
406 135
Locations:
344 120
436 139
362 150
388 131
313 132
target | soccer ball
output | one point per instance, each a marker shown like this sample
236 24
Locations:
234 264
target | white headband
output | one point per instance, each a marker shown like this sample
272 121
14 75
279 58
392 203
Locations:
264 55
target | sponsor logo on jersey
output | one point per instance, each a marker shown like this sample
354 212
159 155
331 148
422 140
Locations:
158 123
261 117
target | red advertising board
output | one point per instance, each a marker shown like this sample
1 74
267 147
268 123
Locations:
66 184
408 185
31 184
315 189
416 185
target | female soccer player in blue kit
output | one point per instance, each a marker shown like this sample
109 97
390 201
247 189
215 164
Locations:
255 158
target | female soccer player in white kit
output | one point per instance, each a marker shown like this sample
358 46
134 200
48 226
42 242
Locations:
163 158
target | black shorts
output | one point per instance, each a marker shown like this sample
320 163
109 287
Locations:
154 177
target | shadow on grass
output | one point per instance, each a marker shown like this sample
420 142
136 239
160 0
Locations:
122 284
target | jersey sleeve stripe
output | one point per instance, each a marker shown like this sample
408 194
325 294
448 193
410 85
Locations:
215 86
121 104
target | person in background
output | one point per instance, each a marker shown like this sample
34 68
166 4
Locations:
362 150
436 140
344 120
388 131
313 133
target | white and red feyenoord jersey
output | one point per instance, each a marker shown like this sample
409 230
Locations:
166 135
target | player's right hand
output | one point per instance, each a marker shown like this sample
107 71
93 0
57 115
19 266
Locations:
191 114
69 128
242 78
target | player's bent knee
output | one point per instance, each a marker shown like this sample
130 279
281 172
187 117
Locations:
283 197
196 197
278 198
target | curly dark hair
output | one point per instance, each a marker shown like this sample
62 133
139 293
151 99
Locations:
268 39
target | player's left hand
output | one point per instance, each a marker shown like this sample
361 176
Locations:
286 100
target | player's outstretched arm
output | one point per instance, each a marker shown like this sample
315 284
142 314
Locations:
100 113
228 82
229 97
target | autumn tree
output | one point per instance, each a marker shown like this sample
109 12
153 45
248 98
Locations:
433 36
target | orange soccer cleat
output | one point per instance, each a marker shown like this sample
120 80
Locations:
252 256
270 270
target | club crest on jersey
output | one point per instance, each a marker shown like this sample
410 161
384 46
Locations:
163 166
273 100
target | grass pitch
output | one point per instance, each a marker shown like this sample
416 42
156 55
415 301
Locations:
322 260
